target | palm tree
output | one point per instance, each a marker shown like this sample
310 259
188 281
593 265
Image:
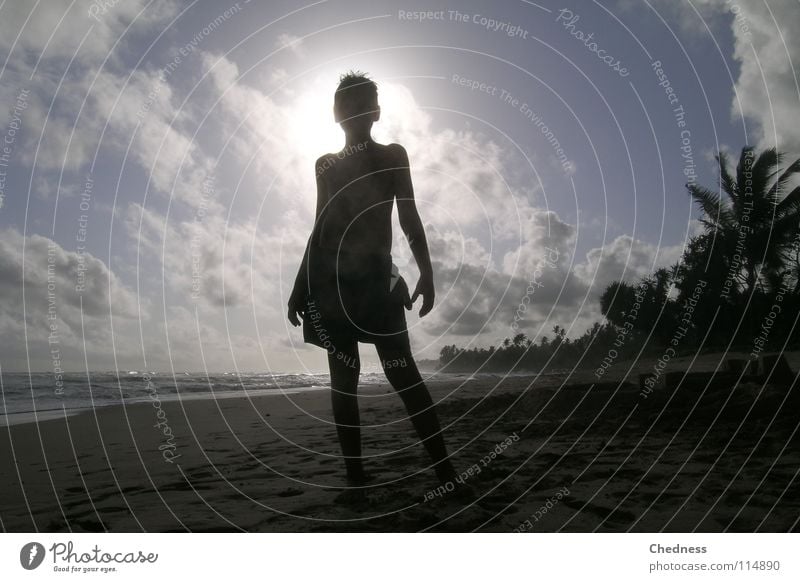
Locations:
756 220
559 332
616 300
795 268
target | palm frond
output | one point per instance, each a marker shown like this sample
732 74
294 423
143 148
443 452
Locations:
777 262
764 169
786 228
746 160
780 183
711 205
727 182
710 225
782 234
790 205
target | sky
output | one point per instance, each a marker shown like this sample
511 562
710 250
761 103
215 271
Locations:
156 165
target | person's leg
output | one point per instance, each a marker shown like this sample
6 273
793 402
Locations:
401 371
344 367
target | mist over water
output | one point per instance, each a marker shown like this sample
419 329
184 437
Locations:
26 393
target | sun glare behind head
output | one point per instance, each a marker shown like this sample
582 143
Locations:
313 129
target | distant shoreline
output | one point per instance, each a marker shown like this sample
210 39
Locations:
44 415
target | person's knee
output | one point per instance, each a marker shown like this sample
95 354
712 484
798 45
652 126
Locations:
404 378
395 360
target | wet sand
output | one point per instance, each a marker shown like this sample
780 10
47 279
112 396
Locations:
539 453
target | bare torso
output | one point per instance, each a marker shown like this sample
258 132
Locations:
360 186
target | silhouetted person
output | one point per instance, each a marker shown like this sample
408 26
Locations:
346 290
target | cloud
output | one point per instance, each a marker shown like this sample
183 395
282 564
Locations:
292 42
36 262
68 111
542 289
63 319
489 245
217 263
63 294
60 29
162 141
624 259
768 51
768 48
230 262
467 298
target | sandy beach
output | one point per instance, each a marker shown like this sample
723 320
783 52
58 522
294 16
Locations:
540 453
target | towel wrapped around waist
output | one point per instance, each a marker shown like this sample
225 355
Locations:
351 298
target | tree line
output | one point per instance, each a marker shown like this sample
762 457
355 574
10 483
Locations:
735 288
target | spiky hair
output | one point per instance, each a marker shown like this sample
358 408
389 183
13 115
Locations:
356 88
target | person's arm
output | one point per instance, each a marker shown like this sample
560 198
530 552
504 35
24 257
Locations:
297 300
411 224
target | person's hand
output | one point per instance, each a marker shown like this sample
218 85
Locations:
296 307
424 288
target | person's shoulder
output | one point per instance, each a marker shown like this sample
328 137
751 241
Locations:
325 158
397 152
324 162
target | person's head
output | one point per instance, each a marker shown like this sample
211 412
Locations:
355 103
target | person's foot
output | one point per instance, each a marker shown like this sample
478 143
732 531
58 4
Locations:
355 493
355 496
463 493
445 472
360 479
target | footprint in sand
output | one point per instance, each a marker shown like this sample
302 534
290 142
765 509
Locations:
89 525
291 492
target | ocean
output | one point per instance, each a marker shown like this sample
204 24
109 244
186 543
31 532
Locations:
25 397
37 396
